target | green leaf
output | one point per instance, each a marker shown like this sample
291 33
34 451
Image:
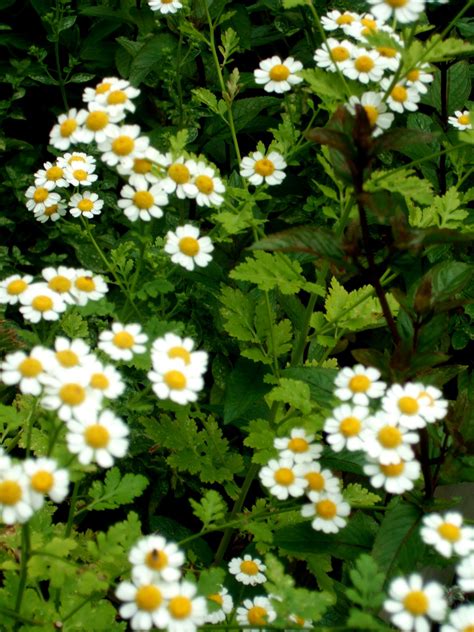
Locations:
268 271
358 496
295 393
206 97
368 584
320 381
260 437
444 212
359 620
238 311
109 550
74 325
51 561
327 86
211 509
459 88
210 581
116 490
440 50
403 182
244 393
292 4
152 55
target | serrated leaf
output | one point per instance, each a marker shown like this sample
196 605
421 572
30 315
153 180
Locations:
368 584
116 490
211 509
268 271
405 182
238 310
358 496
260 437
444 212
295 393
206 97
359 620
74 325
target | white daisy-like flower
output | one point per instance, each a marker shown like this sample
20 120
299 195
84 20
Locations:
88 287
176 381
122 342
401 97
403 11
365 25
461 120
448 534
412 604
118 99
336 20
320 481
105 380
171 346
41 303
70 354
359 384
53 212
465 574
123 146
154 554
437 406
179 177
257 611
80 174
418 78
90 94
185 612
15 500
248 570
258 168
385 440
365 66
143 202
225 602
210 187
46 479
187 249
406 405
334 54
60 280
276 75
284 478
77 156
64 133
97 123
141 171
85 204
390 54
99 438
68 393
298 446
165 6
300 622
345 426
13 287
376 111
27 370
460 620
40 198
144 605
329 512
395 478
50 176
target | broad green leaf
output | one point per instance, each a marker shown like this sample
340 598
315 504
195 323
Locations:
244 393
116 490
210 583
292 4
320 381
295 393
152 55
269 271
459 88
358 496
328 86
404 182
211 509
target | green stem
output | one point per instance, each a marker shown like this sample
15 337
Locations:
29 427
25 556
54 436
72 510
57 59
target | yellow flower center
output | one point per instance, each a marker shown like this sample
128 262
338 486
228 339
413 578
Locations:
117 97
469 628
299 620
10 493
389 436
359 383
326 509
42 481
264 167
370 24
54 173
340 53
148 598
413 75
449 531
394 469
175 380
99 381
345 18
85 284
416 602
51 210
205 184
143 199
249 567
299 445
399 94
180 607
156 560
16 287
189 246
350 426
30 367
42 303
97 436
80 174
279 73
387 51
67 127
464 119
316 481
123 340
72 394
216 598
372 114
76 158
284 476
60 284
180 352
103 87
257 615
85 205
364 63
141 165
408 405
396 4
40 195
97 120
67 358
123 145
179 173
